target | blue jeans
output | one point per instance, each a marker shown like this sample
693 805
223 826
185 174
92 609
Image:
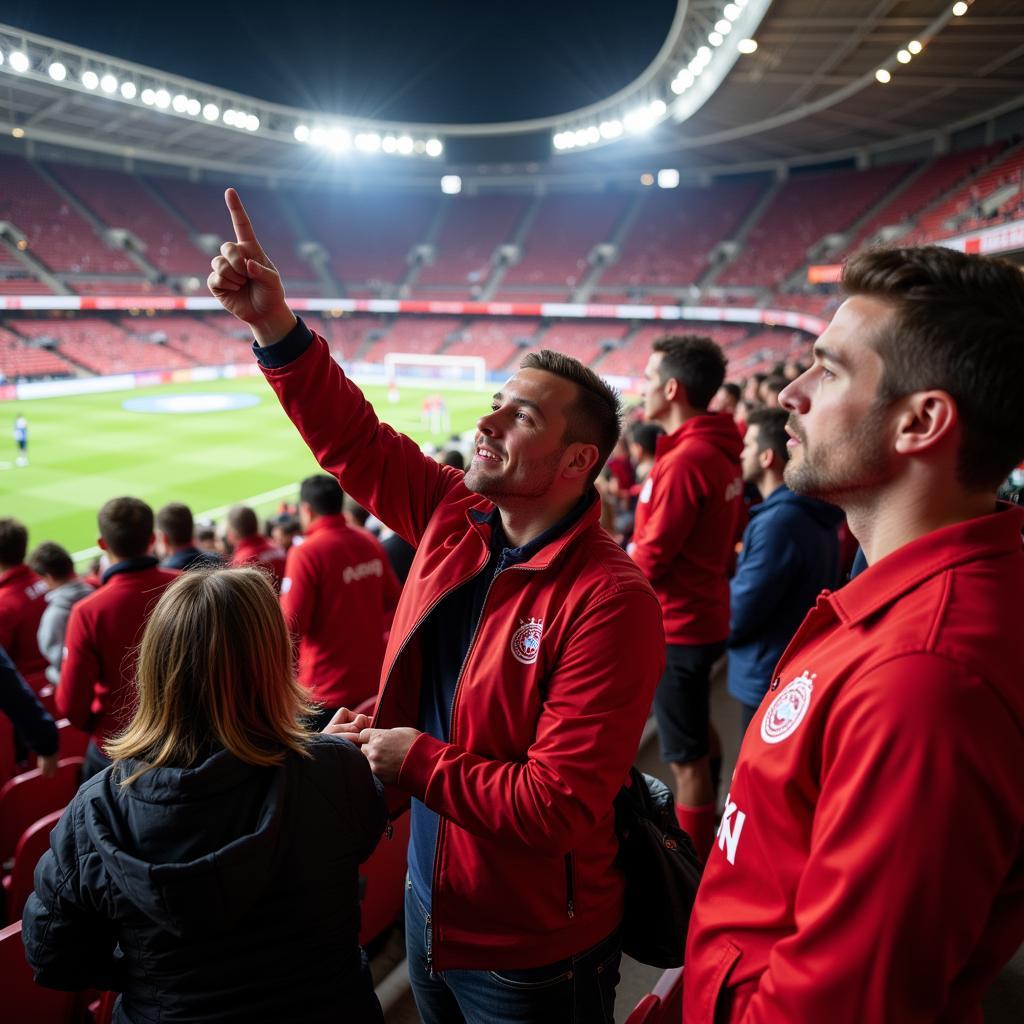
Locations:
577 990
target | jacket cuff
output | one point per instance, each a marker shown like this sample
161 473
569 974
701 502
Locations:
287 350
418 766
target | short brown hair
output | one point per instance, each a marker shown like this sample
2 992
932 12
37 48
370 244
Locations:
596 415
771 431
694 360
957 326
175 522
215 661
126 526
243 521
49 559
13 542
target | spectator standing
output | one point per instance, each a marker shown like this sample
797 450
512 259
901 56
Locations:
175 544
685 529
97 684
524 642
790 554
250 547
22 604
869 864
31 722
64 589
338 597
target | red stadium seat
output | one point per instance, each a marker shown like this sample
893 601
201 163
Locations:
71 741
7 763
22 1000
664 1003
26 797
34 842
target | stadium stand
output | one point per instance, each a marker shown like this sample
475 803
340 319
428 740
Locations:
209 341
498 339
630 359
347 335
422 335
584 341
20 360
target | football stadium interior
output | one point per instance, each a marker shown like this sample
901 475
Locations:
718 193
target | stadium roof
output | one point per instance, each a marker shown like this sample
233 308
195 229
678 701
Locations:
808 93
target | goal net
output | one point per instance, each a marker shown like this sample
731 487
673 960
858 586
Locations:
414 368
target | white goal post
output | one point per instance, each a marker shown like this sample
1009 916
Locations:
416 367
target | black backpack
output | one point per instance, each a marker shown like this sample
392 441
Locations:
662 872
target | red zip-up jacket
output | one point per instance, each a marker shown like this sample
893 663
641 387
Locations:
869 866
97 678
338 595
22 603
685 529
261 553
549 707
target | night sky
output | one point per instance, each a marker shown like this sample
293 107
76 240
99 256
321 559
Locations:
394 59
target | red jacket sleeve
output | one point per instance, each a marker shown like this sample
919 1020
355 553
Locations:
599 696
910 843
670 516
78 673
298 592
382 469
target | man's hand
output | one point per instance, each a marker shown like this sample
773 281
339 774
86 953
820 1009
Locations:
47 764
246 283
385 749
347 724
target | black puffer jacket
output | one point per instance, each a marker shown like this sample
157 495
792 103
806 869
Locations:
221 893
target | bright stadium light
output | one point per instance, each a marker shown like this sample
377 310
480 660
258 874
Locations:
162 99
451 184
338 139
252 123
193 108
658 108
211 112
434 147
715 38
19 61
724 26
404 145
368 142
128 90
610 129
108 83
57 71
731 11
959 10
180 103
903 56
229 117
704 53
580 137
747 46
389 144
914 46
668 177
419 147
558 140
1 56
318 136
90 79
883 76
301 133
148 97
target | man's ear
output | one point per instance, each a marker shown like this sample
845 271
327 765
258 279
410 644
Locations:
927 419
101 544
582 460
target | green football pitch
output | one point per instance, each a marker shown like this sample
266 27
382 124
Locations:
88 448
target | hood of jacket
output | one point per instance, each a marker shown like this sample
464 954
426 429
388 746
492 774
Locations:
821 512
192 849
67 594
715 428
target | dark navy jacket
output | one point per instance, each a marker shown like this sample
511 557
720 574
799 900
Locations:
226 892
790 554
22 707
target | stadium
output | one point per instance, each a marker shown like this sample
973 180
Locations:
713 183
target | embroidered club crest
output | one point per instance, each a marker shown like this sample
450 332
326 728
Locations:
788 709
526 641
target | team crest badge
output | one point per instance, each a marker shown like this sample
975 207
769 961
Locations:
788 709
526 641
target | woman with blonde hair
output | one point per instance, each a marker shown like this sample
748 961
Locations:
211 873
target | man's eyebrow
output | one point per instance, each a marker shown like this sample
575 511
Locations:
499 396
821 352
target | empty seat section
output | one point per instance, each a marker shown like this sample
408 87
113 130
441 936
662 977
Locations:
583 341
423 335
205 341
345 335
497 339
19 359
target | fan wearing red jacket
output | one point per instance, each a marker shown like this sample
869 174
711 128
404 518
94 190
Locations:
251 547
97 678
869 864
523 657
685 529
22 603
338 597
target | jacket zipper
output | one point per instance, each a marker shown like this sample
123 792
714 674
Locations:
570 886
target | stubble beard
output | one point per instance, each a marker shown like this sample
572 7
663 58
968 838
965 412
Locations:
502 491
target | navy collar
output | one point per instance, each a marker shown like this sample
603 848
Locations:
131 565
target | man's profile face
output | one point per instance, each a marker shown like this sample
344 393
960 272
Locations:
750 457
840 435
655 402
520 443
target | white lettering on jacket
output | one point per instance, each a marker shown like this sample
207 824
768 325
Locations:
734 490
730 829
354 573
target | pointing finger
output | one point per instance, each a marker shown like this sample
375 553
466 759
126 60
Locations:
239 218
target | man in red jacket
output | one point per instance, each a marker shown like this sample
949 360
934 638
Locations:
519 670
338 597
22 603
869 864
251 547
686 526
97 684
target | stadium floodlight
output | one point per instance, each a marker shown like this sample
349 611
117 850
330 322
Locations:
368 142
90 79
434 147
419 147
252 123
338 139
318 136
148 97
704 54
593 134
193 108
301 133
19 133
882 75
646 179
57 71
451 184
657 108
747 46
610 129
19 61
1 56
405 145
724 26
129 90
162 99
558 140
959 10
740 3
211 111
230 117
580 137
108 83
668 177
731 11
903 56
715 38
389 144
180 103
914 46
